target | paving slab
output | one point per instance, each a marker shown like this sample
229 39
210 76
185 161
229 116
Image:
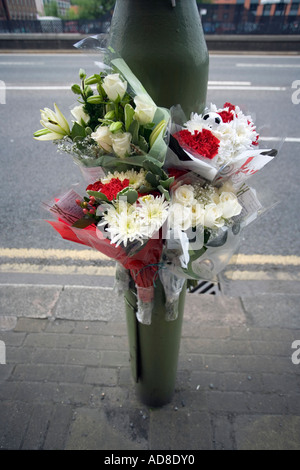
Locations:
67 383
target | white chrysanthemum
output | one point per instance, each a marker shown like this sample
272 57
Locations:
135 222
123 223
127 230
136 179
153 212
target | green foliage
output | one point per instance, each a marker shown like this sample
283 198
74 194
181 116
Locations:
98 195
77 131
93 9
51 9
130 194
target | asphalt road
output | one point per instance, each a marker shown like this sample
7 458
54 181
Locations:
32 171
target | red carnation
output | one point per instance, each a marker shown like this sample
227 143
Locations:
227 116
204 143
110 189
231 107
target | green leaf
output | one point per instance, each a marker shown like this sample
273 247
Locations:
143 144
130 194
98 195
129 113
77 131
83 223
143 189
134 130
152 179
153 167
167 183
164 192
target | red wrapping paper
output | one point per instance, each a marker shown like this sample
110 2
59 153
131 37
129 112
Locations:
143 265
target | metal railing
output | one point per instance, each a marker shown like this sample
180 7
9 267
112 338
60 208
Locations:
235 19
54 26
216 19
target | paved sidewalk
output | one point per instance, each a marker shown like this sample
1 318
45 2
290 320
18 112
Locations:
66 383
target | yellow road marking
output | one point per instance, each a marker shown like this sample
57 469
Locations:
93 255
288 260
261 276
26 268
38 253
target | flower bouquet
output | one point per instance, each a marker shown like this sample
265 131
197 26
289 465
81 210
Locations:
219 144
166 215
215 153
117 125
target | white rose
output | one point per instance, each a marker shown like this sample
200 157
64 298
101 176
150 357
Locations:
212 216
144 109
229 205
184 195
180 216
197 215
80 115
121 144
103 137
114 86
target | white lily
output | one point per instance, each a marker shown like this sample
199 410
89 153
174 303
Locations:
55 125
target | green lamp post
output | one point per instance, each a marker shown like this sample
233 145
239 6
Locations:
163 43
154 348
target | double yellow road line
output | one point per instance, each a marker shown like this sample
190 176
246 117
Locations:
246 267
15 260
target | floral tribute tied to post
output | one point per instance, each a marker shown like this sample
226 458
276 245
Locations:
165 200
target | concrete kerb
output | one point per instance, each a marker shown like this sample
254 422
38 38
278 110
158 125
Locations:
104 304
